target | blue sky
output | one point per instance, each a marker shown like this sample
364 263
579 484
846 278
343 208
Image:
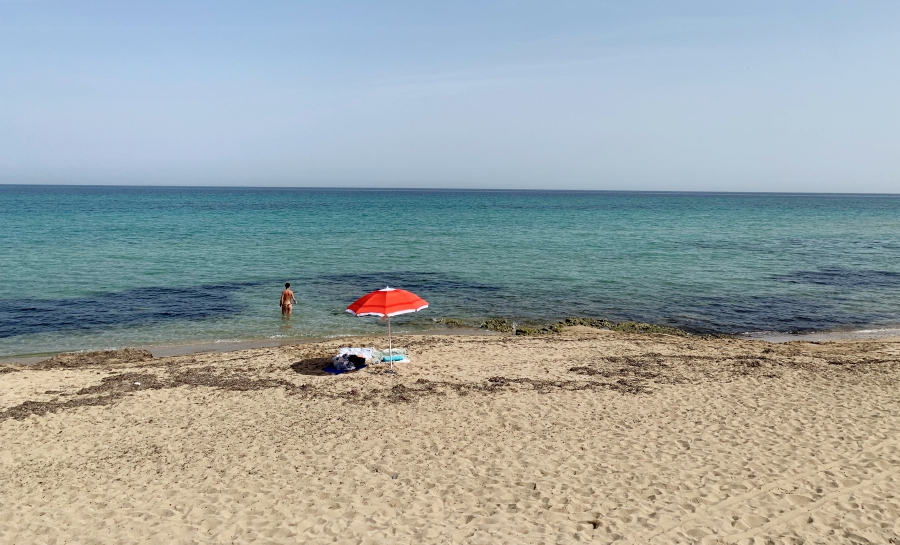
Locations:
727 96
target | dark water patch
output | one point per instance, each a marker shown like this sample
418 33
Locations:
450 290
734 313
844 278
725 314
776 246
138 306
674 313
728 245
791 314
410 280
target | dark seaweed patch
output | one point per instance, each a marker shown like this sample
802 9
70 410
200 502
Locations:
72 360
114 387
845 278
40 408
442 290
139 306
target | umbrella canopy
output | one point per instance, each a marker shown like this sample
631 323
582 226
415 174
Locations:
387 302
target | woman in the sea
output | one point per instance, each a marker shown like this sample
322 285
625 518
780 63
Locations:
287 300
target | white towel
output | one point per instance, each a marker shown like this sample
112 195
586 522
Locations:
362 352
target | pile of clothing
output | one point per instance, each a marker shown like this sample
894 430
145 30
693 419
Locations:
351 359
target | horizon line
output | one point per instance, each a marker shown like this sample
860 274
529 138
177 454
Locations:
449 189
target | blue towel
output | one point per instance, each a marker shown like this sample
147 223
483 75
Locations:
397 357
330 369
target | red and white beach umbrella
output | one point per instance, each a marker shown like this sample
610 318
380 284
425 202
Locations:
387 302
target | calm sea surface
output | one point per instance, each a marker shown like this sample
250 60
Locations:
98 267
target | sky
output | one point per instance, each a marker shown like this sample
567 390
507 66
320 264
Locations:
622 95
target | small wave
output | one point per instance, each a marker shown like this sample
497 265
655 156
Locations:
832 335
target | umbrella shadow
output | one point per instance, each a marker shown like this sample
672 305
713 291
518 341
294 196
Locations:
311 366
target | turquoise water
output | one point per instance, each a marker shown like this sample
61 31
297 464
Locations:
98 267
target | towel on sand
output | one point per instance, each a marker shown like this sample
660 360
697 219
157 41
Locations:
330 368
364 352
382 355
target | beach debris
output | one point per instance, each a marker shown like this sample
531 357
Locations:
534 331
85 359
642 327
637 373
451 322
503 325
40 408
596 323
123 382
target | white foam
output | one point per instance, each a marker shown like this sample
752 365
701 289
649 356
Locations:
817 336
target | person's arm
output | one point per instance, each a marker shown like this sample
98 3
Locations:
293 298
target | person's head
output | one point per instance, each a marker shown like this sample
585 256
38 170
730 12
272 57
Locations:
287 284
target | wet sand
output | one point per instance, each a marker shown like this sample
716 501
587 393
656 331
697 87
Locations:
585 436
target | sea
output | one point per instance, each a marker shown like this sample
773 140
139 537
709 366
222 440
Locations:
102 267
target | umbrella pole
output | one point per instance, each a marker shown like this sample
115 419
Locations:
390 345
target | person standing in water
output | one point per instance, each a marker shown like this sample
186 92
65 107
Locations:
287 300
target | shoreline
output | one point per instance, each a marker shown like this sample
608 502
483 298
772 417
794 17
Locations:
824 336
213 347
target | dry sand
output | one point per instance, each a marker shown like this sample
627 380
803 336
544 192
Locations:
585 436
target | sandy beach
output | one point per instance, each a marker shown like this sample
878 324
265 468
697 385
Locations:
589 435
